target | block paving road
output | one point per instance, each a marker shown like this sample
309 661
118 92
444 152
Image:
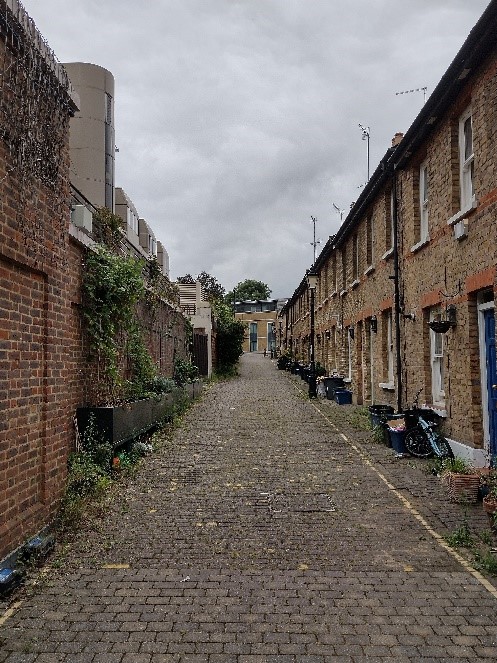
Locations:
264 530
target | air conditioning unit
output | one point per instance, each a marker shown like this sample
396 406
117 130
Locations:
82 217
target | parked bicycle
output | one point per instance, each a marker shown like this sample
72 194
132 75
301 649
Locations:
422 438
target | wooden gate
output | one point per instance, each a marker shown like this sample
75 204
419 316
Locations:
200 353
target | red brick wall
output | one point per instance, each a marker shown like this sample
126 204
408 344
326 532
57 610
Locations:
35 369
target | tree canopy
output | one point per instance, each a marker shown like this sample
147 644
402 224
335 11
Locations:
248 289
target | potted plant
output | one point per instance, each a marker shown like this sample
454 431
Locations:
461 478
490 498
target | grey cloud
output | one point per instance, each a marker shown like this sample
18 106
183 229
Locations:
237 120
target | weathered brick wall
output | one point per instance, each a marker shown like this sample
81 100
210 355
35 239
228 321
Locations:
35 311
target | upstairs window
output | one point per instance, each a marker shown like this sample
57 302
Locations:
344 269
423 203
355 257
466 160
369 241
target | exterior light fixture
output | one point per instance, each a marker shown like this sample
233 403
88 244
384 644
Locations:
373 322
312 282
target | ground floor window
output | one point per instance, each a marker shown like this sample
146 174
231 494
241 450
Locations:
437 363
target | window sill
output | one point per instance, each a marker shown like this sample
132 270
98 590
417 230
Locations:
420 244
343 293
438 408
369 270
462 214
388 254
387 386
354 284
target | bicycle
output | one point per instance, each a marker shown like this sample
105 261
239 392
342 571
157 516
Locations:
423 440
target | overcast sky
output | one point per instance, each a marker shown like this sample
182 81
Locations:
237 120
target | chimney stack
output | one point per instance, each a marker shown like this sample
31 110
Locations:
397 138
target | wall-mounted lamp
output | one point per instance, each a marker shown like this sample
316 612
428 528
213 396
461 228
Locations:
373 322
351 332
410 316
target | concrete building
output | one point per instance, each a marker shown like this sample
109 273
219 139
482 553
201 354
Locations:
92 134
199 312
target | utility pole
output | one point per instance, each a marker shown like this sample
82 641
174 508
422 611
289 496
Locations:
315 241
365 136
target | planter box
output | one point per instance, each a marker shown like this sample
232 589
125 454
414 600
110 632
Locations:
122 423
462 487
343 396
194 389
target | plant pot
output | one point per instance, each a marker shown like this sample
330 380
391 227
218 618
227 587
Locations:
440 326
462 487
490 504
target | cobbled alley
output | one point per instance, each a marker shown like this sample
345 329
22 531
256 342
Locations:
266 528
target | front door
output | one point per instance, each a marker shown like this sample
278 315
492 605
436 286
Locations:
491 365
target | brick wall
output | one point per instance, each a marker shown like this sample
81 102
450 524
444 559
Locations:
35 310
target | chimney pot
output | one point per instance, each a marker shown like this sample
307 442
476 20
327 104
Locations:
397 138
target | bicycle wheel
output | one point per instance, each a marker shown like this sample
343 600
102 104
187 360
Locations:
440 446
417 443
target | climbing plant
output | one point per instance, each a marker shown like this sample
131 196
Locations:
112 287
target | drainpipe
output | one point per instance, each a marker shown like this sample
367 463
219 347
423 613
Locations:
396 274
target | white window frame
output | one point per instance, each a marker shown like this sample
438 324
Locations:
390 347
369 242
355 257
390 383
437 364
423 202
466 162
349 357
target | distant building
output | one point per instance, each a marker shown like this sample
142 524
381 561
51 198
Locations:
260 316
199 311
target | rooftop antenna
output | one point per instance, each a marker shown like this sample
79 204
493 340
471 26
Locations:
365 136
315 242
339 211
416 89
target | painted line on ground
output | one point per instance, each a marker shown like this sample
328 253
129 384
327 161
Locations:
412 510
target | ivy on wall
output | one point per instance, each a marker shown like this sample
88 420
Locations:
112 287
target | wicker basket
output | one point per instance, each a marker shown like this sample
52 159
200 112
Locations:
462 487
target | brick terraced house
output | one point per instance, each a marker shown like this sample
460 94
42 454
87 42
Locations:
419 246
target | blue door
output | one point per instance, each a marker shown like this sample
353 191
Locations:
489 316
